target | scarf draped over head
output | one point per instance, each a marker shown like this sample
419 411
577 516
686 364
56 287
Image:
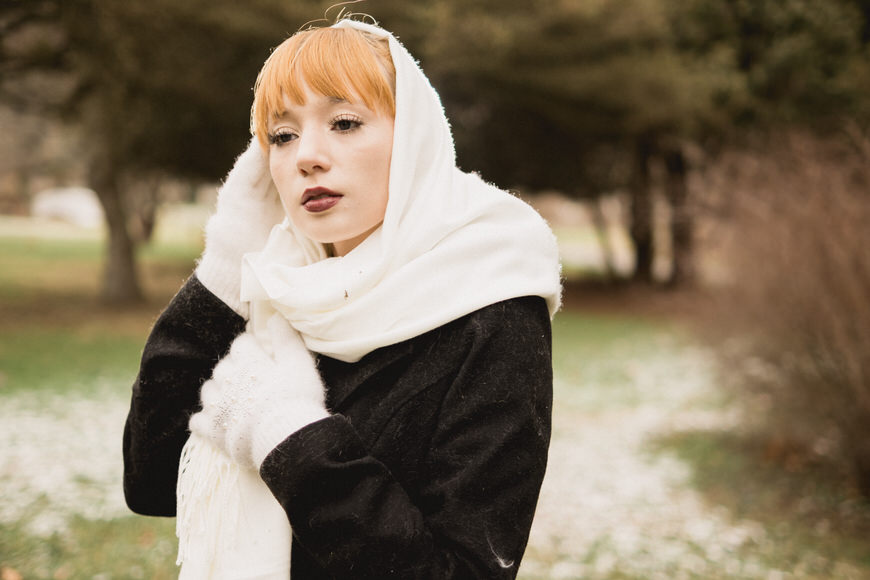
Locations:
449 244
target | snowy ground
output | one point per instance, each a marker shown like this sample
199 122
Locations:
610 508
61 456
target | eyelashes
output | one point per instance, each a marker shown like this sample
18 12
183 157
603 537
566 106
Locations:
346 123
343 123
281 137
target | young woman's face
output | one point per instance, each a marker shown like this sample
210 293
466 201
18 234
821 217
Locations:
330 160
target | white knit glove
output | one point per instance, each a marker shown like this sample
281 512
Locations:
247 208
254 400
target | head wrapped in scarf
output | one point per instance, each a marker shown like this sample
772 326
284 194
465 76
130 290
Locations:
449 243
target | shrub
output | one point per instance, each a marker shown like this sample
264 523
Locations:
795 241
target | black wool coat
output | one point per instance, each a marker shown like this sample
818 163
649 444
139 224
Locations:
430 466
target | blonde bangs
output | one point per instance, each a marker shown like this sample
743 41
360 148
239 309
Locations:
336 62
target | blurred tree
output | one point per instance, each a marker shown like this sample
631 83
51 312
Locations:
803 60
157 86
578 96
587 97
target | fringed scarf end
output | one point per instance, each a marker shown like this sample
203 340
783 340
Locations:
207 504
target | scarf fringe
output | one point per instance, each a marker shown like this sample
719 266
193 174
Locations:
208 505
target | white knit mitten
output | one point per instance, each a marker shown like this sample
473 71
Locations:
247 208
255 400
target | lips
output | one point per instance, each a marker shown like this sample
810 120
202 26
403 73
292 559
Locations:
318 199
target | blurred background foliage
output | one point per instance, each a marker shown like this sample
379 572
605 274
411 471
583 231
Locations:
744 123
585 98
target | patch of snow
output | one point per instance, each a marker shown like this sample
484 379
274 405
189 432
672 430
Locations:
61 456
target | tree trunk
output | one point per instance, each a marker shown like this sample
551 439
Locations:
120 278
860 466
142 209
641 229
602 232
682 226
22 190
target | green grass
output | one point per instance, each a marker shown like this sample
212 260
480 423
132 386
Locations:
57 339
579 338
594 354
53 361
122 548
55 336
30 267
27 264
35 251
814 521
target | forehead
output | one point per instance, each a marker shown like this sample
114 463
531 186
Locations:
316 104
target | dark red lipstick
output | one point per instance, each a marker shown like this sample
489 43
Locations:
318 199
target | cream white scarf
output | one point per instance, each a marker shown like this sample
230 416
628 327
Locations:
450 244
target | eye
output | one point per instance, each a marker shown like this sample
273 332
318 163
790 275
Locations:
282 137
346 123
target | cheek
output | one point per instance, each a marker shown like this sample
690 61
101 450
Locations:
277 169
383 169
385 183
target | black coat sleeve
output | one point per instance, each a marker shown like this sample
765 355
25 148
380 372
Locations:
471 516
190 336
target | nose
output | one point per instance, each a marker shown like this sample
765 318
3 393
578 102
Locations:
312 153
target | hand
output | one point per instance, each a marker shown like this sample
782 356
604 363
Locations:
255 400
247 208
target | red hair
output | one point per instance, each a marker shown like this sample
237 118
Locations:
345 63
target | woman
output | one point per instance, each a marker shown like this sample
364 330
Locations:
360 367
